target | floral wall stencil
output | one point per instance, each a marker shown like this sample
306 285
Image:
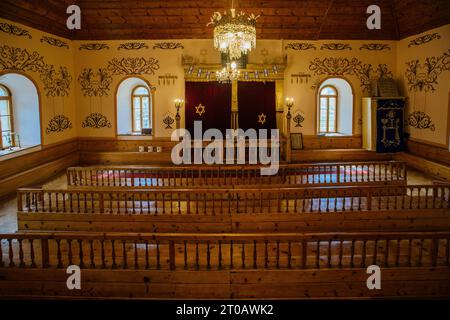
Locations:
58 123
375 47
420 120
132 46
14 30
334 66
96 120
366 73
18 59
335 46
127 66
300 46
424 77
93 46
56 82
423 39
54 42
95 84
168 45
344 66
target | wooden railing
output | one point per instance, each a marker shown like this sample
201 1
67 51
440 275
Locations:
223 251
233 201
379 172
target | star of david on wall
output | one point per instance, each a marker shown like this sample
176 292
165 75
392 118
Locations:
200 109
262 118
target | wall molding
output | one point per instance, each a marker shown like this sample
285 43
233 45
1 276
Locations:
37 166
434 152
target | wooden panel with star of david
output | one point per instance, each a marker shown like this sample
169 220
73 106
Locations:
209 102
257 105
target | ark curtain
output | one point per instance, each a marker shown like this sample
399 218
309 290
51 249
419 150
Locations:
390 120
212 97
257 105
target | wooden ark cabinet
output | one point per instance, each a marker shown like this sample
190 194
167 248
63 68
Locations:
383 124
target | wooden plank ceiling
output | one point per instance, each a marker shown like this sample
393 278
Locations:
184 19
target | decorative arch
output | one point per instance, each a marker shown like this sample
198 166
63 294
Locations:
25 102
123 105
345 100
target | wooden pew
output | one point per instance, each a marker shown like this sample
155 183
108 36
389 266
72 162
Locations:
154 266
318 174
422 207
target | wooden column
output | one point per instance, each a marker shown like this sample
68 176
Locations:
279 95
288 135
178 118
234 105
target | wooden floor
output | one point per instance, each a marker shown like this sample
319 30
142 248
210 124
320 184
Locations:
223 266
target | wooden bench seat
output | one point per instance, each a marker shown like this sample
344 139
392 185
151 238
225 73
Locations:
317 174
236 210
225 265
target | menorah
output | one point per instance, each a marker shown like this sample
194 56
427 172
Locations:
298 119
168 121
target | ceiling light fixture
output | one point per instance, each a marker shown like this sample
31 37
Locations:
234 34
228 74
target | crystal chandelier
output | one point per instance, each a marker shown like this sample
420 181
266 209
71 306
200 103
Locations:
228 74
234 34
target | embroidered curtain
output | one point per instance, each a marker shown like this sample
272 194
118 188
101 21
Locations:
209 102
257 105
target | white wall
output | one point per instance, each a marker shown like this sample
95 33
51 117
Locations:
345 104
25 101
124 110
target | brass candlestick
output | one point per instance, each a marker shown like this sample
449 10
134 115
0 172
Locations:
178 104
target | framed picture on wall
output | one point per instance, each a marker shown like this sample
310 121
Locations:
296 141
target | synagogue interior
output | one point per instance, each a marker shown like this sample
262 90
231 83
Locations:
137 136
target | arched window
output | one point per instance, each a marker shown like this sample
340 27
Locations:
20 121
6 119
141 109
328 109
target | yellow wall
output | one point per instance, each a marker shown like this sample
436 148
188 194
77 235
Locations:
305 94
267 51
77 106
169 61
433 103
52 55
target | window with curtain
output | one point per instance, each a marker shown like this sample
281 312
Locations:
6 118
328 110
141 105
